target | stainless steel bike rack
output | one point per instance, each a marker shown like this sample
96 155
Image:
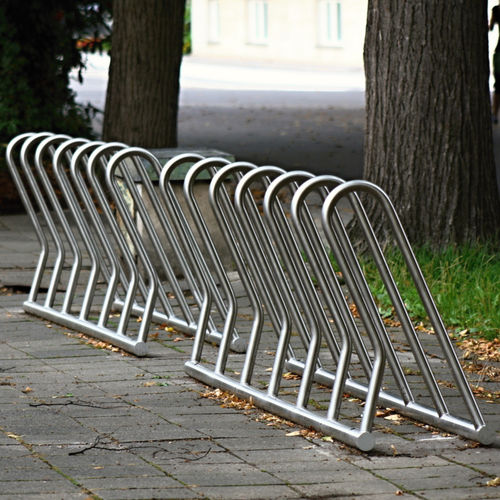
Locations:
312 340
78 230
39 165
124 170
284 263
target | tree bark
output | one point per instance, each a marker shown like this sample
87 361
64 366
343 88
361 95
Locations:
428 136
143 86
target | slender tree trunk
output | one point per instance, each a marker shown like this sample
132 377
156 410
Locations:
429 140
143 87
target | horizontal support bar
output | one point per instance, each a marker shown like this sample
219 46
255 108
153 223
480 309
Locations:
484 434
138 348
353 437
238 344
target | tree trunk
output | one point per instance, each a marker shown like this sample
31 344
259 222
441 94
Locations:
143 87
428 137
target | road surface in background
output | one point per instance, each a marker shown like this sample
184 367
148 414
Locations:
297 118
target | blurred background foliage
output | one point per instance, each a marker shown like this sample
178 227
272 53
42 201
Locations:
38 49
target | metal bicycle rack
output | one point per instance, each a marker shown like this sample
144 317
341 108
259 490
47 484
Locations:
84 246
283 261
39 164
314 340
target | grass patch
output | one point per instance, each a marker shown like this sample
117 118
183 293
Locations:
464 282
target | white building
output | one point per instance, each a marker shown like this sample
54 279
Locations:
312 32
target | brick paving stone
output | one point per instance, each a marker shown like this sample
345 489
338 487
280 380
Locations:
277 441
47 496
311 455
250 492
382 496
49 489
389 462
482 493
355 488
230 474
433 477
147 493
295 473
480 455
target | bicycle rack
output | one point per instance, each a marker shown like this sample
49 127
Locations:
121 276
288 275
61 226
313 340
125 170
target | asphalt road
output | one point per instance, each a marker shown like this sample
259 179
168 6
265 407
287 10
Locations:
223 106
320 132
295 118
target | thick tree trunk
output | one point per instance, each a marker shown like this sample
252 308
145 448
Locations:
143 87
428 140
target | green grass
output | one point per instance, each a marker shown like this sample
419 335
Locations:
464 282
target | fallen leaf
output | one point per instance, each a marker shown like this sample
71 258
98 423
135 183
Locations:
484 350
354 310
394 417
293 434
328 439
384 412
399 493
27 389
494 482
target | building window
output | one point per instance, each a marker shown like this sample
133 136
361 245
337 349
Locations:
257 21
213 21
330 23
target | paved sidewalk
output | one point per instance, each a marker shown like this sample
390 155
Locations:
78 421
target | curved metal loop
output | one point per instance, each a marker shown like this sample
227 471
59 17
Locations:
335 300
186 323
291 254
403 244
229 307
231 229
268 271
131 161
64 151
153 285
133 281
26 142
253 236
70 190
40 152
191 249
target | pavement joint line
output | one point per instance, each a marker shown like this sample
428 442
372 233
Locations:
56 469
468 466
171 476
400 487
